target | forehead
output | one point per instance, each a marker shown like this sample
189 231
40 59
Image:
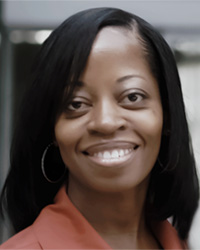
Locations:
113 38
116 52
115 56
118 43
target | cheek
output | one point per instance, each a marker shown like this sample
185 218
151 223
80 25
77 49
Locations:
68 130
154 128
67 135
150 130
65 140
153 137
150 125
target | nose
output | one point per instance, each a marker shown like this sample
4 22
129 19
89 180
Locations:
106 118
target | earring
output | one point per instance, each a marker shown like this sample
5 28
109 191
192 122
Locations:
52 165
160 163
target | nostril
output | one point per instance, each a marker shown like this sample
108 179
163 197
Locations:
136 147
122 127
85 153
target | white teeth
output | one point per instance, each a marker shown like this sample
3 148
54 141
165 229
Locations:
113 154
106 155
121 152
100 155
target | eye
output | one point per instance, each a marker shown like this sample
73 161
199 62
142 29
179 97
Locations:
77 107
132 99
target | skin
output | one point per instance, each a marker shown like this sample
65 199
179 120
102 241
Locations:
117 106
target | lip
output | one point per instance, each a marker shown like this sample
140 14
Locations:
109 145
122 153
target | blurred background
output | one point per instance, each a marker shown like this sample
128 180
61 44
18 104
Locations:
24 25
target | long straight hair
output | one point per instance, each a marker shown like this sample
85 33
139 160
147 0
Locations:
174 188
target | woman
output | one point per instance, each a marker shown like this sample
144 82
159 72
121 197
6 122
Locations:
106 101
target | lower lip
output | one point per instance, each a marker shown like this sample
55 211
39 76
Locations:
115 162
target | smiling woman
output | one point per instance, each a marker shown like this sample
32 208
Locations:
106 104
113 125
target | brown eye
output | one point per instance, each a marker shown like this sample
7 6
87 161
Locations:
133 97
75 105
78 106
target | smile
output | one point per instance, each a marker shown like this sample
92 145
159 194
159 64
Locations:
107 156
113 154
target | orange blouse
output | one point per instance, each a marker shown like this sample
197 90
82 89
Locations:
62 226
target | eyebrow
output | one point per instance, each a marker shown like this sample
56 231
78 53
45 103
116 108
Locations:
80 84
124 78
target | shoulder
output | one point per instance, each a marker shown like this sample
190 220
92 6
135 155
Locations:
25 239
167 235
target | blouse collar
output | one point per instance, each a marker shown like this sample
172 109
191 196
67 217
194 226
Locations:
62 226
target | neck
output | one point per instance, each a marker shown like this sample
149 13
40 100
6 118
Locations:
111 214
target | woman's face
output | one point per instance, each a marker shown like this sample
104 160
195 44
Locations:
109 136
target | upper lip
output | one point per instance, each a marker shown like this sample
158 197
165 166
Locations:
109 145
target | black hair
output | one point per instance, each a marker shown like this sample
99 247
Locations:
174 188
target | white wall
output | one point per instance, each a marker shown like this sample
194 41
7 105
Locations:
171 13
